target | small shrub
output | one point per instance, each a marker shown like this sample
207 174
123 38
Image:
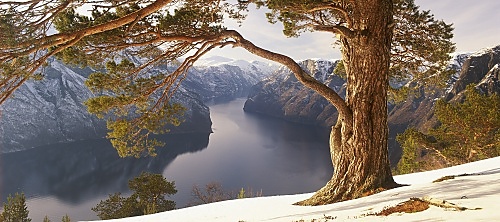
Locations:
148 198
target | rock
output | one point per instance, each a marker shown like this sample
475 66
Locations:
281 95
52 111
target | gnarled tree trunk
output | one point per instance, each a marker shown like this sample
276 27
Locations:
358 143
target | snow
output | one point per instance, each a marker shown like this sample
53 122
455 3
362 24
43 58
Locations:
479 189
247 66
489 76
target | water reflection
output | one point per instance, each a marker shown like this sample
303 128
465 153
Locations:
245 151
77 172
258 152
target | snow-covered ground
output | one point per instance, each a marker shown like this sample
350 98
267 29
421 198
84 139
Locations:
479 190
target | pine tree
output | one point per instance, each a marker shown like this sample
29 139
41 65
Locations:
467 131
15 210
471 129
148 197
379 40
66 218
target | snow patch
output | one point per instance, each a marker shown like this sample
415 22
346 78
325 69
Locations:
478 190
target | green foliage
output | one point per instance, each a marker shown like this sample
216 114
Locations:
15 210
421 46
149 191
115 207
46 219
471 129
468 131
410 142
152 189
66 218
241 194
124 93
340 70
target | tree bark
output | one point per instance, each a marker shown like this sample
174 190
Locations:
358 142
358 146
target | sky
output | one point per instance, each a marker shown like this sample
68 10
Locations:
475 22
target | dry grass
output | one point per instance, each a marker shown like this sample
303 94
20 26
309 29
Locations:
411 206
443 179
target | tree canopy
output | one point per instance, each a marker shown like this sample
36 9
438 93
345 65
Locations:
15 210
104 33
467 131
148 197
380 40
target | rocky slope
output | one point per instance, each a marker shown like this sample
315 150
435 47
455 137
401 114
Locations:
52 111
480 68
218 78
282 96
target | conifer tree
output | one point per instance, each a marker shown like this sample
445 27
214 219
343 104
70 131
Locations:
379 40
15 210
66 218
471 129
148 197
468 131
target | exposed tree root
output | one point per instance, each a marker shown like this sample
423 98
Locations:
332 194
445 204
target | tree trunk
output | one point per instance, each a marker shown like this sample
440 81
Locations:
358 142
358 145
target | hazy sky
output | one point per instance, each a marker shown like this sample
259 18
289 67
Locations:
477 26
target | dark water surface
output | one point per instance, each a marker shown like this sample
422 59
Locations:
244 151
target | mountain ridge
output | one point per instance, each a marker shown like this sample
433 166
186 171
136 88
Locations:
52 111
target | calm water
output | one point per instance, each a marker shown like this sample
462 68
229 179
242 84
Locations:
244 151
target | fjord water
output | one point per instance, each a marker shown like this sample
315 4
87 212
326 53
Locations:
244 151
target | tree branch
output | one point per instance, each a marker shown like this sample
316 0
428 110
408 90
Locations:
337 7
342 30
329 94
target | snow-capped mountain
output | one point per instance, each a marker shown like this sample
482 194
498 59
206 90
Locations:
480 68
52 111
281 95
41 112
220 78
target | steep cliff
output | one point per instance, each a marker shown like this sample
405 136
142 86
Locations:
480 68
52 111
283 96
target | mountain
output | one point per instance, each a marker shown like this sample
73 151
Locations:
218 78
480 68
52 111
281 95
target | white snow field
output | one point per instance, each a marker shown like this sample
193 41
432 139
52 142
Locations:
480 189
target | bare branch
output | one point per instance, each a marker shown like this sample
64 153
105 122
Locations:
308 81
336 7
342 30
